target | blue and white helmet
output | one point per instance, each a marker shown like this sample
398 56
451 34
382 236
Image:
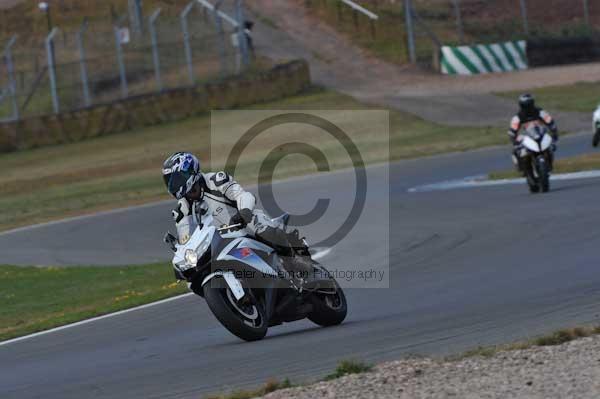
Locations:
181 171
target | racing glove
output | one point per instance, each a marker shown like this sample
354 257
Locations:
182 210
243 217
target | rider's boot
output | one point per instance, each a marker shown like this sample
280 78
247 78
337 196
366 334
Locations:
517 162
292 249
551 161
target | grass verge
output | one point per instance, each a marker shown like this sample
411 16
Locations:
579 163
556 338
51 183
347 367
268 387
35 299
384 38
578 97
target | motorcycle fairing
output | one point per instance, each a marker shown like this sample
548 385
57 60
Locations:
242 250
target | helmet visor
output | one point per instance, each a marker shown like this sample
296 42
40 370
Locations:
176 183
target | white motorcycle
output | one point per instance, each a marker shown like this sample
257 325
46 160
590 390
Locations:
245 284
536 157
596 127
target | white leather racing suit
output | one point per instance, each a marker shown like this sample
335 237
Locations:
223 198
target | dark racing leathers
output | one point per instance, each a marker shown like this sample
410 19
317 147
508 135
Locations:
521 121
230 204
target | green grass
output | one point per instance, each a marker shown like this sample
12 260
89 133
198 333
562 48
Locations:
35 299
388 41
568 165
555 338
26 20
482 23
268 387
347 367
578 97
124 169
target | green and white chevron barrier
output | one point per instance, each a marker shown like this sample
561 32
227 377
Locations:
484 58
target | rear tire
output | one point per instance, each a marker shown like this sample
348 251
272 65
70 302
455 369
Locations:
329 309
246 321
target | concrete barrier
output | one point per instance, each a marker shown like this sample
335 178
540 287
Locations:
484 58
153 109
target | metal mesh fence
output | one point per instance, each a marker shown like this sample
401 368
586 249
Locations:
452 22
98 64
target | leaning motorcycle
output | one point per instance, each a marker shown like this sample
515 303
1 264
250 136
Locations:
246 285
596 127
536 157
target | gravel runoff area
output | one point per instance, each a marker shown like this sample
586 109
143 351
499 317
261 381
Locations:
570 370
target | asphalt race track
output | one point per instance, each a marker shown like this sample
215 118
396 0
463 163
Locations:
468 267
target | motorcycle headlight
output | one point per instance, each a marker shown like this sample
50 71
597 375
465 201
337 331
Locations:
191 258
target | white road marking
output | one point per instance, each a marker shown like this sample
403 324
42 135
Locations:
83 217
321 253
482 181
94 319
317 255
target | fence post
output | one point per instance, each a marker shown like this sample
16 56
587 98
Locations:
121 62
186 41
155 55
410 32
586 13
52 69
221 36
524 16
242 39
135 16
459 24
82 66
11 76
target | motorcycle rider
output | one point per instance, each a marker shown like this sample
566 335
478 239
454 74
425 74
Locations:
529 113
229 204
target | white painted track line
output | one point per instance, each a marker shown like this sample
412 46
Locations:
321 253
482 181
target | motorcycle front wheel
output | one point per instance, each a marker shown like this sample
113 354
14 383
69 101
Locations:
329 306
532 180
543 174
244 318
596 139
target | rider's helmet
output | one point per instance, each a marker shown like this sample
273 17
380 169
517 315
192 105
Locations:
526 102
181 172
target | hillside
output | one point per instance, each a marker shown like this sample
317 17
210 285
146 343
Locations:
26 19
483 21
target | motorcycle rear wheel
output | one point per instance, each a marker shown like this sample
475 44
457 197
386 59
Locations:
246 319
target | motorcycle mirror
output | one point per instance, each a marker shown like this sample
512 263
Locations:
170 240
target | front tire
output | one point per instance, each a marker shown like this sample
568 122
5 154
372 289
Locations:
532 181
245 319
544 174
596 139
329 309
